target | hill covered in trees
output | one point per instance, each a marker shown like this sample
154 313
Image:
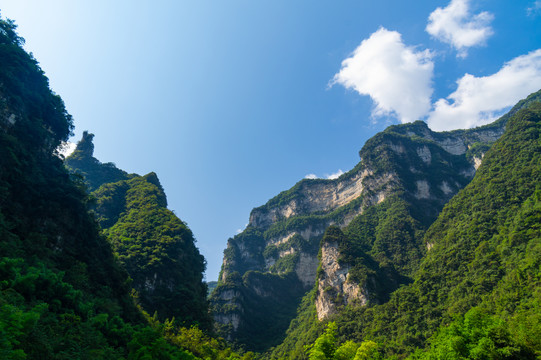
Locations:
476 291
64 292
430 248
155 247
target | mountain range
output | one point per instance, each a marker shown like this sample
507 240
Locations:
429 248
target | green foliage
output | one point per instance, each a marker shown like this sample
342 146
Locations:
476 335
303 330
203 346
30 110
94 173
155 247
368 350
62 293
327 347
484 249
266 317
485 252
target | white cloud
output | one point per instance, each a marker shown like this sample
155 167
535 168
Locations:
397 77
456 26
332 176
336 175
241 230
480 100
535 8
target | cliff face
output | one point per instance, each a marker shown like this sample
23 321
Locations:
335 286
406 174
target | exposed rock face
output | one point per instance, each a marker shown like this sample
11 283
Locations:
230 298
423 189
334 287
424 154
410 161
313 196
306 269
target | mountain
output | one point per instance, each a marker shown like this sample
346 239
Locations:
430 248
478 283
155 247
360 236
64 293
59 280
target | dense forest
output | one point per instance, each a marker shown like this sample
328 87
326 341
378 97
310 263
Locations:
65 290
433 253
476 293
155 247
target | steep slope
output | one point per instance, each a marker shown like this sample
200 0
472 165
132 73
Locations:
406 175
481 272
155 247
58 276
94 172
63 295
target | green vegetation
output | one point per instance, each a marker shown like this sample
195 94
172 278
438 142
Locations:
94 173
155 247
327 347
303 329
476 335
486 246
80 273
484 255
266 317
63 294
410 175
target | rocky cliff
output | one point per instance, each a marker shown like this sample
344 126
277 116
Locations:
406 175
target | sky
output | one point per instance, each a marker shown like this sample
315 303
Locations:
231 102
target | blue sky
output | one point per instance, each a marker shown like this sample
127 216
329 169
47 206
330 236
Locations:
232 102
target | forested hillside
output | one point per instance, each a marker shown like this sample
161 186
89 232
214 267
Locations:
375 217
476 293
63 292
155 247
430 248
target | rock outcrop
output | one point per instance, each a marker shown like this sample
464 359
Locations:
421 168
335 287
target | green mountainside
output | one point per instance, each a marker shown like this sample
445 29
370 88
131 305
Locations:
406 175
478 287
58 277
430 248
360 236
64 294
155 247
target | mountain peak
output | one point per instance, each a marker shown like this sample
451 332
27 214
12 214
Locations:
86 144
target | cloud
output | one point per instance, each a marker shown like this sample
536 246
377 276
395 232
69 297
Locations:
241 230
336 175
397 77
480 100
332 176
535 8
455 25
